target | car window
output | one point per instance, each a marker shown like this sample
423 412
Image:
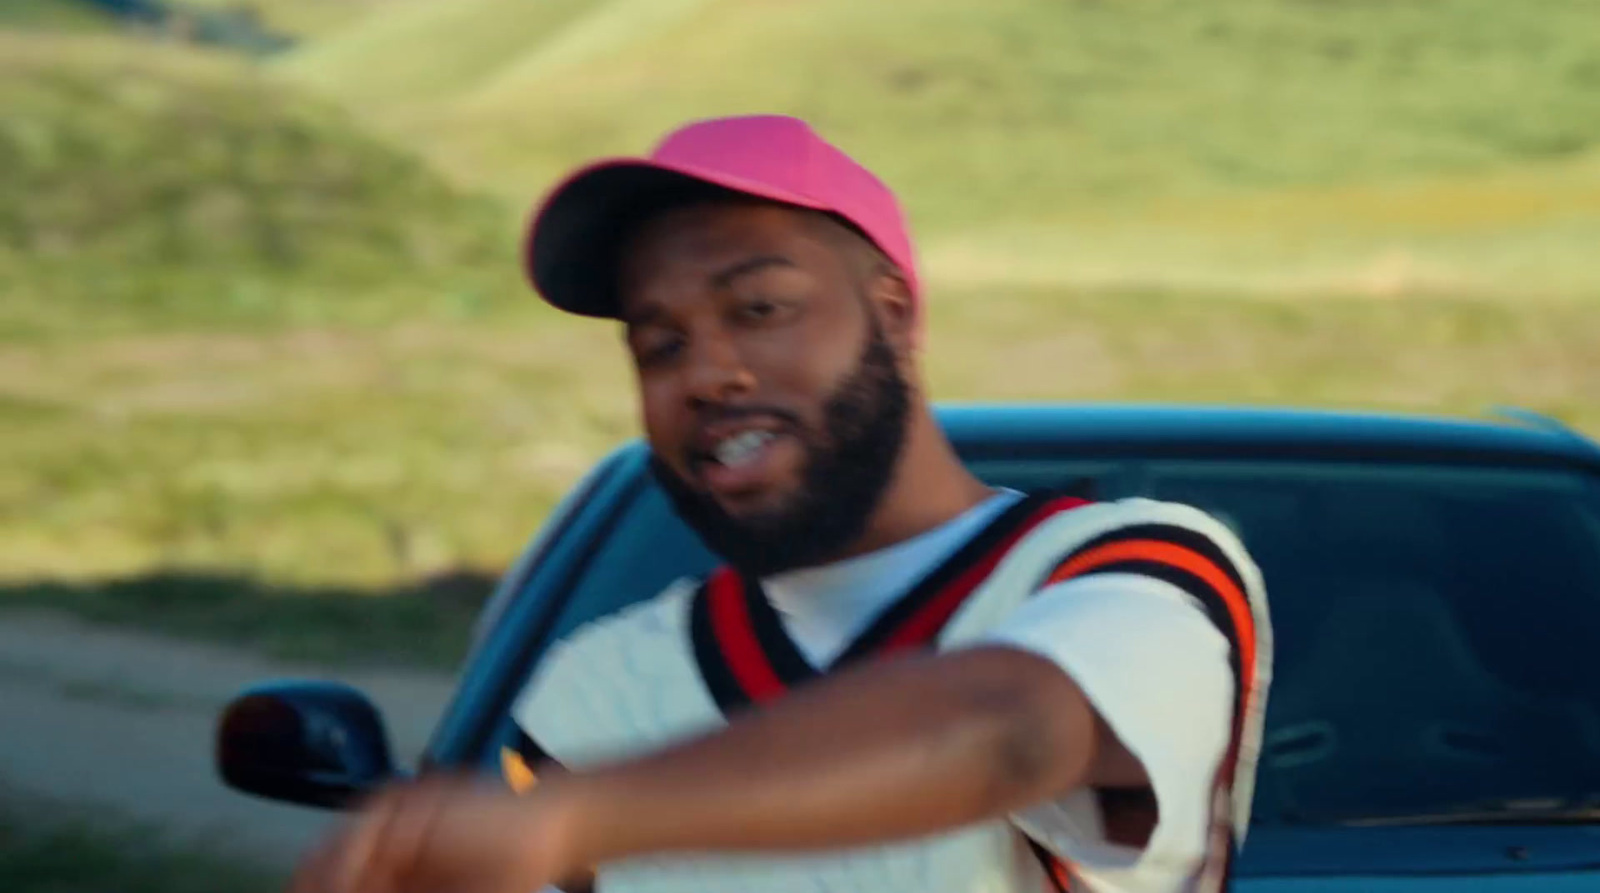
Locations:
1432 631
1433 626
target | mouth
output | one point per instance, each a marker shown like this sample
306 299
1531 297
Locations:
741 449
737 460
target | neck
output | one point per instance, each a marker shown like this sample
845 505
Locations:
930 487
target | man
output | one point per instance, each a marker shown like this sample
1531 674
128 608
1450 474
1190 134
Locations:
904 679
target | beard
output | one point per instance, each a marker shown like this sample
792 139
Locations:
848 466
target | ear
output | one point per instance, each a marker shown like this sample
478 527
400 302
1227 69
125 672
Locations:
890 298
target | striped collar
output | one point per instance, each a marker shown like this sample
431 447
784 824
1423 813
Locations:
747 657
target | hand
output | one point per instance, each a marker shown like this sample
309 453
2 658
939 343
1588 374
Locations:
442 835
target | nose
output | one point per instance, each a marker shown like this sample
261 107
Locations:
716 371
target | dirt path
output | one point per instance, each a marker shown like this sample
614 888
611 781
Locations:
122 720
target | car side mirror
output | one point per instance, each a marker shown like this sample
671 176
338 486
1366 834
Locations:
315 743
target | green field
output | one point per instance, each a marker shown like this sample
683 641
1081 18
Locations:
261 322
158 188
1276 145
302 19
52 15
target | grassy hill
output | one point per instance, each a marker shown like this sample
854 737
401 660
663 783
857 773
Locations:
248 333
53 15
1101 138
458 45
301 18
149 186
227 25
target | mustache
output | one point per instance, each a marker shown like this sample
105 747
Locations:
715 414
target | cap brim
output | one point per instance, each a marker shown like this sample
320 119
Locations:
574 239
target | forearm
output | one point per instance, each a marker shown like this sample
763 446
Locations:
892 751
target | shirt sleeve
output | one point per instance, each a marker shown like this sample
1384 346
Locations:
1155 612
1157 671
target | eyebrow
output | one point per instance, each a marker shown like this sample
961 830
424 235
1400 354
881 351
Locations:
728 274
720 279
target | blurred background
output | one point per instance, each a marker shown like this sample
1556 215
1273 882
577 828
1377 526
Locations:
274 399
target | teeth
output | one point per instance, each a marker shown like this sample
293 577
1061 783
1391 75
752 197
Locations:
740 448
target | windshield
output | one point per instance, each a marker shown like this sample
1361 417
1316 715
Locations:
1434 626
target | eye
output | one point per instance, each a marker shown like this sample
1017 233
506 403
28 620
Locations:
658 348
764 310
757 309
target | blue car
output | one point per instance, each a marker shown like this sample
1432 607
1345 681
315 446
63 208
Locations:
1434 720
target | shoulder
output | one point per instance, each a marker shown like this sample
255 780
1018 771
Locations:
1084 522
1132 558
662 616
1169 549
1159 613
606 653
1153 585
1137 535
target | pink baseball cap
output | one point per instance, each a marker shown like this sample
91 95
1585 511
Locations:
570 254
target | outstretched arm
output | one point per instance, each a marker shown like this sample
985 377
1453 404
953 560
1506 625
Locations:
883 752
892 751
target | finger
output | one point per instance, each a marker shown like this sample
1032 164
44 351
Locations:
341 863
315 872
360 868
407 851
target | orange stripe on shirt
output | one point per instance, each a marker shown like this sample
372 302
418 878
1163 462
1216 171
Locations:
1186 560
1233 599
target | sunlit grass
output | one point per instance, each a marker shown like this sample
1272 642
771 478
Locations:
458 43
1513 235
158 187
261 340
313 455
986 110
374 455
1244 145
53 15
302 19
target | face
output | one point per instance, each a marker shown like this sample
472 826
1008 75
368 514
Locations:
770 383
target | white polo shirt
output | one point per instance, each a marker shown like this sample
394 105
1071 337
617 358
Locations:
1146 656
1146 653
